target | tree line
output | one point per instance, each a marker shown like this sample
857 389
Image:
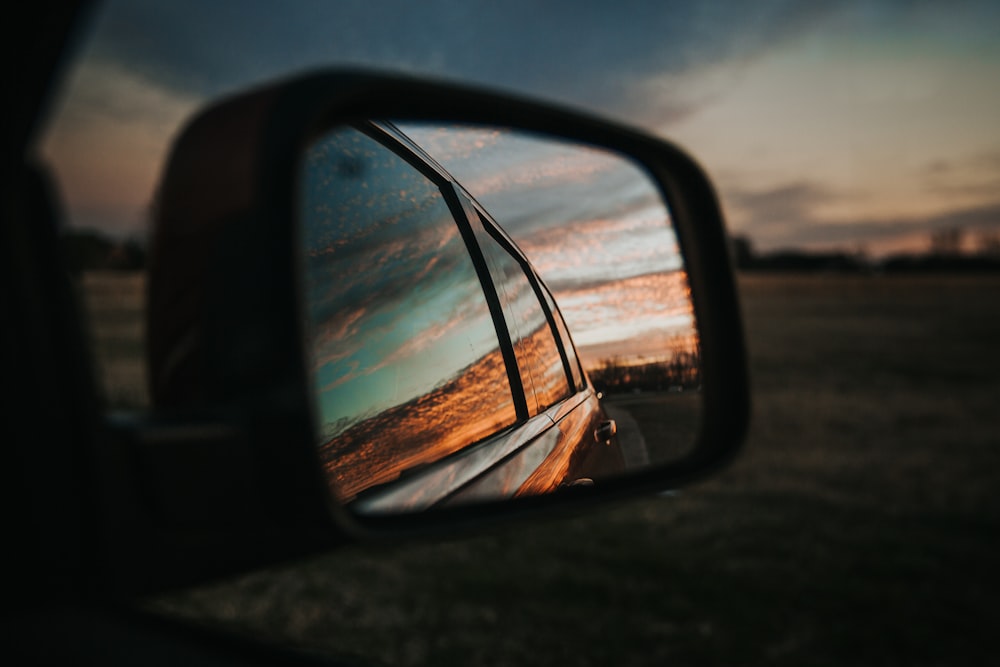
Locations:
88 250
950 249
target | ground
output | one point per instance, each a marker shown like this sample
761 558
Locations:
860 526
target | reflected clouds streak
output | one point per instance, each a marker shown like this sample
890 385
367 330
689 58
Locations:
395 305
592 224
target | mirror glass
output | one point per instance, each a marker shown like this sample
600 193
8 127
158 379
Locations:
489 314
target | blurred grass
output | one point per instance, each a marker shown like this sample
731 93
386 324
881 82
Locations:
860 526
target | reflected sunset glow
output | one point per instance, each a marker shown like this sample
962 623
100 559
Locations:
629 318
420 431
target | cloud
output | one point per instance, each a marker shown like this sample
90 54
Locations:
796 213
779 205
973 177
661 65
812 231
593 53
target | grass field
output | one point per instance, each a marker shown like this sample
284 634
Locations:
860 526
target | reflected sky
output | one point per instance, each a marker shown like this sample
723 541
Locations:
592 224
538 360
395 305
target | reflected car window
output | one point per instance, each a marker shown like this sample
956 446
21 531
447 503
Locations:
406 364
538 359
571 359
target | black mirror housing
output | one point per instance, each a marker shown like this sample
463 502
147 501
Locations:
225 319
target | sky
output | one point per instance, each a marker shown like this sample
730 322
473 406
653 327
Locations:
858 125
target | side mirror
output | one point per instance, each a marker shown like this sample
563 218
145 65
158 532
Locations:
395 305
456 342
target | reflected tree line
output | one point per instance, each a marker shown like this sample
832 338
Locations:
619 375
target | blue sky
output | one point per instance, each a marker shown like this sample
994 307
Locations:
854 124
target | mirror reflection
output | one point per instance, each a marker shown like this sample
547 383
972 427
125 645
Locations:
489 314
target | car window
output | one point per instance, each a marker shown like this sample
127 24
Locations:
406 363
538 359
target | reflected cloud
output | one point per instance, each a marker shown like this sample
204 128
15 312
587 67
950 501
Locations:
540 172
455 143
593 252
395 304
630 317
592 224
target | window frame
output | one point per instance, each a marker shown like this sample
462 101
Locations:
540 291
459 204
386 136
